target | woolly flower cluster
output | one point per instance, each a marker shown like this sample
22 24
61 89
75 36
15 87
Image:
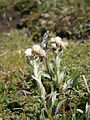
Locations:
57 43
35 55
35 50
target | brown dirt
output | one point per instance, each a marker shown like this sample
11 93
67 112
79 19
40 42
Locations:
9 20
64 26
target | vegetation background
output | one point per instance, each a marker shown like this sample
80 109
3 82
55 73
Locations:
23 23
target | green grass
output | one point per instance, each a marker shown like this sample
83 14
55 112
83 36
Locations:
77 57
15 74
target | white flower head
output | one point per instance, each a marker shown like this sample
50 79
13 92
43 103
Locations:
57 43
52 40
53 45
38 50
28 52
42 52
58 40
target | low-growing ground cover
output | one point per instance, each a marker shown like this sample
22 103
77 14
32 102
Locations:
19 95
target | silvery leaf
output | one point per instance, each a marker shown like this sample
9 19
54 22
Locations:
45 40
